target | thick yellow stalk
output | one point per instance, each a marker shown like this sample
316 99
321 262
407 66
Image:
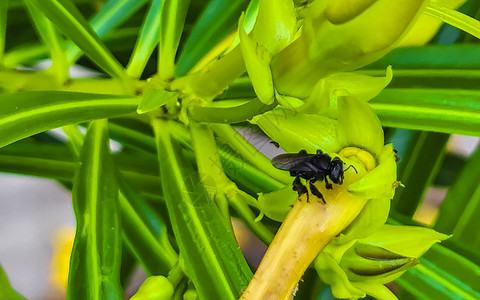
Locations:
308 228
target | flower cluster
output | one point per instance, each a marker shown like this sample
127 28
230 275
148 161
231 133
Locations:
302 61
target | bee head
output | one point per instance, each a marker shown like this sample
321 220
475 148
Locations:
336 173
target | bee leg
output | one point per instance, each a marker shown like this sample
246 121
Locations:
299 187
351 166
303 152
328 185
316 192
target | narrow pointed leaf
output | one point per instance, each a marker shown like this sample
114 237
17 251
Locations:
153 99
247 176
460 56
210 252
147 40
145 232
25 114
52 39
418 170
66 16
216 22
454 18
112 14
460 194
257 60
3 27
172 19
441 110
432 78
442 274
96 255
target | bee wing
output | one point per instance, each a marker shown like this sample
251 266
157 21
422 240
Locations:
289 160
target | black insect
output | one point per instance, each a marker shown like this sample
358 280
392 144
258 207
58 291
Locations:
312 167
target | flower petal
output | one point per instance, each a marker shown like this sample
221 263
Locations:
327 46
359 126
408 241
379 291
374 214
276 205
379 183
330 273
257 60
276 24
294 131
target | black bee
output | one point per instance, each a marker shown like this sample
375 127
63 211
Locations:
312 167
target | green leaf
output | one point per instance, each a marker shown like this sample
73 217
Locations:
248 177
465 227
70 21
145 232
112 14
442 274
6 290
52 39
38 159
417 170
28 113
154 98
276 205
458 56
96 254
458 207
229 111
147 40
431 78
3 27
207 245
441 110
155 288
217 21
55 161
257 60
172 19
454 18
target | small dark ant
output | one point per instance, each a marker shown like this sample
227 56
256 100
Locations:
312 167
277 145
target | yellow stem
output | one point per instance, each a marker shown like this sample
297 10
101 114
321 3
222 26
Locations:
308 228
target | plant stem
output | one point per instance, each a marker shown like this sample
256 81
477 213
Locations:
308 228
210 167
176 274
233 114
208 159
